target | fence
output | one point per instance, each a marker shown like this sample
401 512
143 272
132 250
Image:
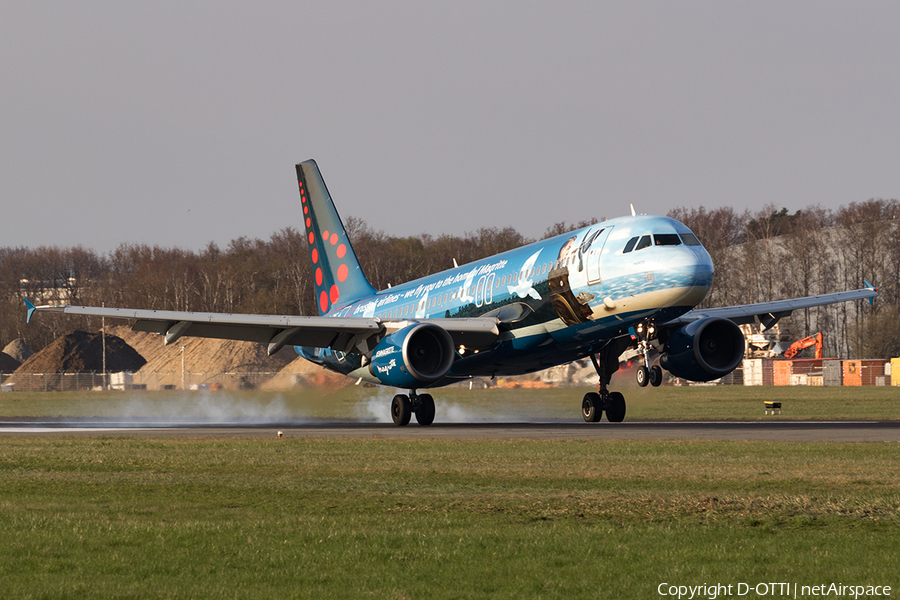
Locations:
64 382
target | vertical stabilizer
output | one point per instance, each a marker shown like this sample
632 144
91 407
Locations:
338 277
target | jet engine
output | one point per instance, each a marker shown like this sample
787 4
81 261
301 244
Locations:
704 350
414 356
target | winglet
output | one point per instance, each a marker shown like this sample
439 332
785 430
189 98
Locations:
31 310
869 285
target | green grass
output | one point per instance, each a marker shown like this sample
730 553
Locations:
370 518
462 404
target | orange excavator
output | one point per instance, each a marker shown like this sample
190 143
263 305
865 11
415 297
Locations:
813 340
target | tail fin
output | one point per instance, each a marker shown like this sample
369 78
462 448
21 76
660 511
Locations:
338 276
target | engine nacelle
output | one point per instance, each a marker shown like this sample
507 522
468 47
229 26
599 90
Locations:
704 350
416 355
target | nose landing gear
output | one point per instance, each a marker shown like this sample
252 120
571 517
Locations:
646 374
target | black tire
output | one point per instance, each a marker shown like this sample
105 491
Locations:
401 410
615 408
656 376
643 376
591 409
425 410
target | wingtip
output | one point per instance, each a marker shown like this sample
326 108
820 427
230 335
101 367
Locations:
871 286
31 308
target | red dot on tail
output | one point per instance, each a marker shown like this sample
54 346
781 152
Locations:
335 294
308 222
318 276
342 273
305 210
315 256
334 239
324 235
323 302
341 251
312 238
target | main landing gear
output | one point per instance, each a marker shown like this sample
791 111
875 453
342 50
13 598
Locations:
594 403
403 406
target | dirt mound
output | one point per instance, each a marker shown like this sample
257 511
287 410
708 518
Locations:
8 364
202 355
302 372
19 350
82 352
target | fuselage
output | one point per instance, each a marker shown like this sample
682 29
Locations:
557 300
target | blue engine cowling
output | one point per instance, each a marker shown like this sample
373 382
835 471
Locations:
414 356
704 350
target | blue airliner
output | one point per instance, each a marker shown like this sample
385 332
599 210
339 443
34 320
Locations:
626 283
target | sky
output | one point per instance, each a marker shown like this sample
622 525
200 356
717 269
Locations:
179 123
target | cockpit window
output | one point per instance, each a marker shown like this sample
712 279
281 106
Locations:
630 245
667 239
690 239
644 243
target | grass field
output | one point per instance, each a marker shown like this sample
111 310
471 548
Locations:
85 517
461 404
133 517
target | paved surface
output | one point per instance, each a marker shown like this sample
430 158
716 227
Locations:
776 430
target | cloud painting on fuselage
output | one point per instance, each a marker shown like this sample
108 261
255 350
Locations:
629 282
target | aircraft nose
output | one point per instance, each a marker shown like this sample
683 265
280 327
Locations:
681 260
694 266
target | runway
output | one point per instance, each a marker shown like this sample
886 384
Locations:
773 430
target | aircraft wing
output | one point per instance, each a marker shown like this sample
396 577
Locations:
768 313
345 334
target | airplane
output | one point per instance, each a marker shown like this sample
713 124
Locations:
630 282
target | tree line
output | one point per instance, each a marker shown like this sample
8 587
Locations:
760 256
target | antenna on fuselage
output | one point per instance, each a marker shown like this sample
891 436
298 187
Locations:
633 214
454 263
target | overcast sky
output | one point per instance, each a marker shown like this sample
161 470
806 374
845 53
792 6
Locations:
179 123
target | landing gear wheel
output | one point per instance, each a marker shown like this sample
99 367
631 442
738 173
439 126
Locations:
401 410
615 408
591 407
425 410
643 376
656 376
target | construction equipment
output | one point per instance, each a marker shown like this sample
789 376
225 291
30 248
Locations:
813 340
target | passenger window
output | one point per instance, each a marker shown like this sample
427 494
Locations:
667 239
644 243
690 239
630 245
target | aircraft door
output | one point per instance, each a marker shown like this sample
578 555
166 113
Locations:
594 275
